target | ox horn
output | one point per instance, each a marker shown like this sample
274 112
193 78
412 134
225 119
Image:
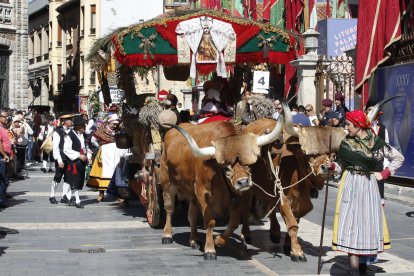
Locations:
272 136
288 121
374 111
197 152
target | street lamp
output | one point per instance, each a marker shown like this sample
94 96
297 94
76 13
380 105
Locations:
311 41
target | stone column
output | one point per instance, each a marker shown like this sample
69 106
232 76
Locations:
306 69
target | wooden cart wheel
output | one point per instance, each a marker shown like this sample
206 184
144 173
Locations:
155 201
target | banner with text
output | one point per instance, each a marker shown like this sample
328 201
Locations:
398 114
337 36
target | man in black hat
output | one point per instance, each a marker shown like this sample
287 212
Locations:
340 110
78 157
59 134
329 117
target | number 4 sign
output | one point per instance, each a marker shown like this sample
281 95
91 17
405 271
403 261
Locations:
261 82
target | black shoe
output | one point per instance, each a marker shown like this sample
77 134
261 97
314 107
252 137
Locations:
43 170
64 199
363 269
72 202
9 196
4 206
53 200
50 170
79 205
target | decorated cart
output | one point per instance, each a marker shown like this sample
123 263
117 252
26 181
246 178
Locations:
188 44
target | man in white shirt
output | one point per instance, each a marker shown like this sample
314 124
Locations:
78 157
60 158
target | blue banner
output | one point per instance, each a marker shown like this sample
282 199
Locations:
398 114
336 36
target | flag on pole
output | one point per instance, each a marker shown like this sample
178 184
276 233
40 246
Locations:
379 25
294 23
273 11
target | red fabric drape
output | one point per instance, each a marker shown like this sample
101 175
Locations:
267 5
294 10
378 27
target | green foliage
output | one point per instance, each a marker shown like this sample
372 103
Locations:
93 102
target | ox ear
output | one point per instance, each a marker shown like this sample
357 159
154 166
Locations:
244 147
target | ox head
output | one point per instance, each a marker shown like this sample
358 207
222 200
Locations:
234 153
318 143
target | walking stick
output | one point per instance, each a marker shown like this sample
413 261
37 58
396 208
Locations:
324 209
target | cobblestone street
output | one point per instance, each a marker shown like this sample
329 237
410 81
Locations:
109 239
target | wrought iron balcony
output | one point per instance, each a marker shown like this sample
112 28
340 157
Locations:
6 11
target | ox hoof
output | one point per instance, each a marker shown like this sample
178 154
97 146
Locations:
167 240
247 240
194 245
210 256
300 259
275 238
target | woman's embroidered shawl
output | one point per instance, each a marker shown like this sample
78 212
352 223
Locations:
360 154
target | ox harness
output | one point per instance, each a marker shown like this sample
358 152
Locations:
278 188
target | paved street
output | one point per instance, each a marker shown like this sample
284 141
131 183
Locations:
109 239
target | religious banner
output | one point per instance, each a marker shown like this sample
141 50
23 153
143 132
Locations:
207 38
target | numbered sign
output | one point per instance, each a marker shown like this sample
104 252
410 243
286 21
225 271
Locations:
261 82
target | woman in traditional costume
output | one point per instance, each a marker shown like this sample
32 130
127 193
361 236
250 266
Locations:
360 228
104 135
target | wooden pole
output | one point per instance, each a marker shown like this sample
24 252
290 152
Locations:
324 211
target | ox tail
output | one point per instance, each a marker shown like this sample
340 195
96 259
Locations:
195 149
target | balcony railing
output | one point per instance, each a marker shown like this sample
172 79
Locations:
31 60
6 14
46 56
59 43
93 31
38 58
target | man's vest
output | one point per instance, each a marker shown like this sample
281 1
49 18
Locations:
76 144
62 135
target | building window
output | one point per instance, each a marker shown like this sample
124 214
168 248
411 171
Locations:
5 15
59 40
82 21
93 19
92 79
181 2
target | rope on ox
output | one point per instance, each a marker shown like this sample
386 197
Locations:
278 182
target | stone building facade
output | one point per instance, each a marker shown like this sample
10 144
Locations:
38 91
13 54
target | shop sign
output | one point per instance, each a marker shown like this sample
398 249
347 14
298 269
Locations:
116 95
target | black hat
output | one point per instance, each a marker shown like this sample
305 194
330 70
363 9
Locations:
78 120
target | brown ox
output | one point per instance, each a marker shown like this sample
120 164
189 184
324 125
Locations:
294 166
210 178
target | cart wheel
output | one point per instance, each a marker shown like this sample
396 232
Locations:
155 201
